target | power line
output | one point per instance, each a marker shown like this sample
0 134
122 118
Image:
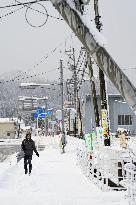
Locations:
23 78
27 4
20 77
19 4
11 12
46 14
45 57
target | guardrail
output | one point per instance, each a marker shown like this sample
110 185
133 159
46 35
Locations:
104 167
131 183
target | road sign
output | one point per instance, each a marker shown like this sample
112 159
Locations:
35 115
49 113
40 110
43 115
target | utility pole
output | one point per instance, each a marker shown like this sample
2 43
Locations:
103 94
94 97
80 117
75 91
62 99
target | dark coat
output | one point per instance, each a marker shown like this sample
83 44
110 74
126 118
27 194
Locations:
28 146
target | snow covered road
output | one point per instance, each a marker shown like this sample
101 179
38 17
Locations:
55 180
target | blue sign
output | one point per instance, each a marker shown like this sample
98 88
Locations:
49 113
35 115
43 115
40 110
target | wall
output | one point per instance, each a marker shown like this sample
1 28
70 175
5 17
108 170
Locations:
116 107
119 108
7 128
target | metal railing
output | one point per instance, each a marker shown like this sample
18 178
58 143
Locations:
103 167
131 183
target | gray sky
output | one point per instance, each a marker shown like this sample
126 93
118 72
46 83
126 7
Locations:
120 32
22 46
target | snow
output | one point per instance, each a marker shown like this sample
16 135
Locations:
32 84
8 120
86 21
55 180
27 84
10 141
90 25
129 166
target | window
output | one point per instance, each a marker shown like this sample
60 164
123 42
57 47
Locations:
124 120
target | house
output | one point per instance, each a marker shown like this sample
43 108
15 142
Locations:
120 114
7 128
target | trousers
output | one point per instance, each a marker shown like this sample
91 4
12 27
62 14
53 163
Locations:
27 160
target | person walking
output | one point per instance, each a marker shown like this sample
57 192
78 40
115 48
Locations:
28 146
63 142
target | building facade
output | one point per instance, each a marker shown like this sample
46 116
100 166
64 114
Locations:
120 114
7 128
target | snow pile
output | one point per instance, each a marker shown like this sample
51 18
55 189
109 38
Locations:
10 141
129 166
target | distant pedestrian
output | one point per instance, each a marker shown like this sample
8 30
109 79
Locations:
28 146
18 132
63 142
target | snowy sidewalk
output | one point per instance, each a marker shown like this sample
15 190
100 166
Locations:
55 180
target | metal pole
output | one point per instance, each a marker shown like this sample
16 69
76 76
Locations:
101 74
37 133
80 118
62 100
94 97
37 126
69 123
46 119
75 90
103 94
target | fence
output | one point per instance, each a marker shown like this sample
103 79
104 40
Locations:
131 183
104 166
